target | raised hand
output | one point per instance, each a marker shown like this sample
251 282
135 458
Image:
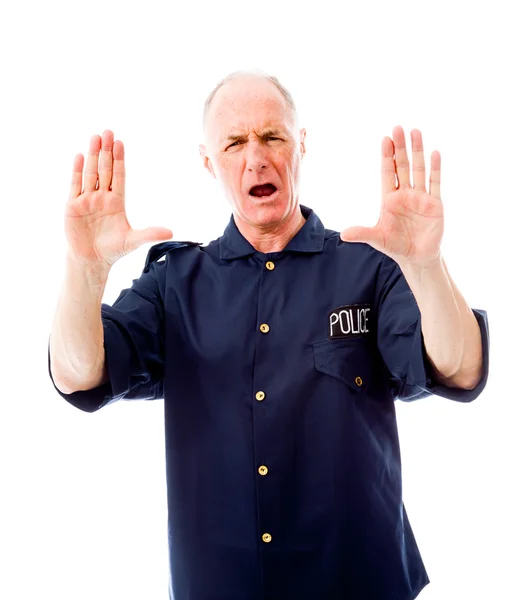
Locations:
411 223
97 229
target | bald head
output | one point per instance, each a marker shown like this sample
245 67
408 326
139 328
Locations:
255 81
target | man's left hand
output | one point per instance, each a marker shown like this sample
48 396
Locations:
410 226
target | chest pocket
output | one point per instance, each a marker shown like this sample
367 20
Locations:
349 361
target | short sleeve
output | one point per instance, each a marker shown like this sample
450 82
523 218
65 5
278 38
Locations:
401 345
133 329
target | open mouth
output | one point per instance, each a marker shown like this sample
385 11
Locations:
259 191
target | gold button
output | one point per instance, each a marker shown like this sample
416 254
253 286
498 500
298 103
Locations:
260 396
266 537
263 470
270 265
264 328
358 381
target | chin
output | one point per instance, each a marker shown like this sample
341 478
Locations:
266 210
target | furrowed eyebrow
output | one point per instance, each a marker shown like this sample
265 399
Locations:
266 133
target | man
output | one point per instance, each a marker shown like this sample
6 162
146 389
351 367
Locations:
279 349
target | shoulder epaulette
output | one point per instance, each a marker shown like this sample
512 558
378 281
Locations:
158 250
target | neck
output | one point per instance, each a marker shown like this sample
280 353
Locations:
272 238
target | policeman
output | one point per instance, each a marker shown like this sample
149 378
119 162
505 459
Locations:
279 349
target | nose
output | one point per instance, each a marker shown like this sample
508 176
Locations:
256 157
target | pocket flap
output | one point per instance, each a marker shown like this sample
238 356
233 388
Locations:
348 361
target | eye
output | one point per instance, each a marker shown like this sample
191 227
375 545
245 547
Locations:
239 141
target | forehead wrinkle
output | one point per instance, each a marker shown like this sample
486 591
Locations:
236 135
232 104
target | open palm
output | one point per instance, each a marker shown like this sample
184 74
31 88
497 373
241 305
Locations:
410 225
96 224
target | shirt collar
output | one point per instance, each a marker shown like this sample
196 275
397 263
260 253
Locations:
310 238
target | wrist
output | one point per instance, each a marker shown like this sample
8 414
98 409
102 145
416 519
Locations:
425 275
95 274
435 267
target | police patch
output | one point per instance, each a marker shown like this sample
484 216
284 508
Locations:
349 321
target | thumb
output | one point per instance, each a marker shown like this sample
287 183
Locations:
138 237
368 235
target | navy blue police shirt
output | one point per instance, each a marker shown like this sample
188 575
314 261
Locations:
279 374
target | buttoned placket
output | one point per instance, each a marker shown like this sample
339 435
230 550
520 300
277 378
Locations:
264 403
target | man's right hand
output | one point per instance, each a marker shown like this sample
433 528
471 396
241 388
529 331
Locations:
97 229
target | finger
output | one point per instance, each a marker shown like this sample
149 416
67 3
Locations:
105 161
402 160
118 169
137 237
77 177
388 166
91 165
367 235
434 180
418 160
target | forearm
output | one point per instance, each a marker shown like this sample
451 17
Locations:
450 329
77 354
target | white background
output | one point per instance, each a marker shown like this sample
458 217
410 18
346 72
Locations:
82 496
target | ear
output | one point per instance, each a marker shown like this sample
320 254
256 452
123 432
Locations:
302 142
206 161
